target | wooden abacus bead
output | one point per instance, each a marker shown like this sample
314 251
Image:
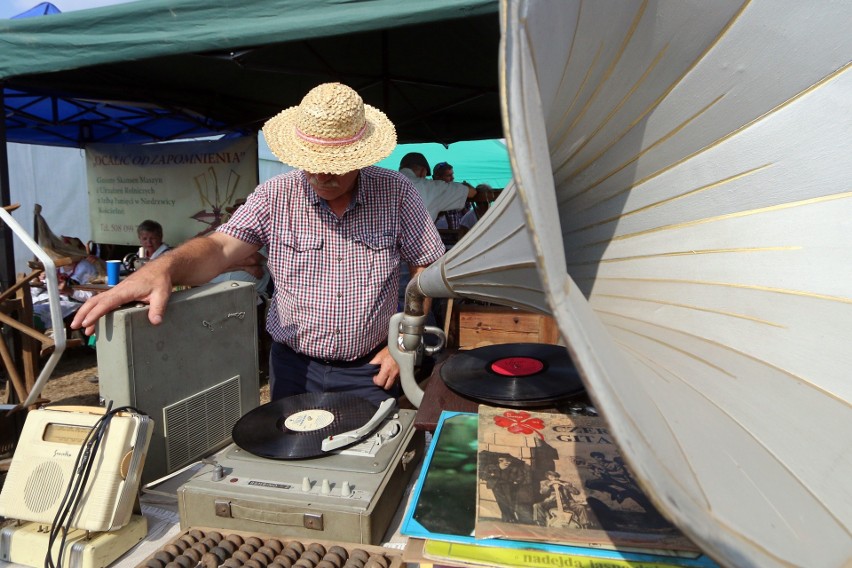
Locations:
195 555
284 561
236 539
154 563
248 548
201 547
252 563
274 544
268 552
254 541
241 555
209 542
215 535
326 564
163 556
311 556
359 554
231 563
340 551
210 560
376 562
333 558
228 545
318 548
196 534
297 546
261 557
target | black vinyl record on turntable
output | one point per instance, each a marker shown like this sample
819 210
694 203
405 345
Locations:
519 375
295 426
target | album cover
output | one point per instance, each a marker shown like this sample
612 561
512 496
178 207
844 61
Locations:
444 500
561 479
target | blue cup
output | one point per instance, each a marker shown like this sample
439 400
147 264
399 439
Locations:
113 272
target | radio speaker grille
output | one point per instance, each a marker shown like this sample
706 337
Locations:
198 424
44 487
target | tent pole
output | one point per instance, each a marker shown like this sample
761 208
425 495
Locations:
7 266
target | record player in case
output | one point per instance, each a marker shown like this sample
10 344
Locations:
350 495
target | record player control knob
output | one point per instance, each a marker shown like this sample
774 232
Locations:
218 472
326 487
346 490
306 484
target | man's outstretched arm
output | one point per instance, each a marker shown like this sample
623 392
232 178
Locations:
192 264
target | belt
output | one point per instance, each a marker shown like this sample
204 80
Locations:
339 363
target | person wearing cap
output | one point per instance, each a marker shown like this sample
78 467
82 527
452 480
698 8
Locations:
449 218
336 228
438 195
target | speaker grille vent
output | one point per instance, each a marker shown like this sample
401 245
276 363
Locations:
198 425
44 486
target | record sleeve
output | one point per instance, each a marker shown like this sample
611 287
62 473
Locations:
561 479
446 475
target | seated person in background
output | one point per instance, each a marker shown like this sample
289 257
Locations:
443 171
70 300
437 195
150 235
481 203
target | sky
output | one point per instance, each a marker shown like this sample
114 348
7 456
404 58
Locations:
9 8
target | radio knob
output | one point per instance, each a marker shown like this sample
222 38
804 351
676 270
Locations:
346 490
326 487
306 484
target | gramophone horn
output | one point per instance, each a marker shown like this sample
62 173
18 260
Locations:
683 208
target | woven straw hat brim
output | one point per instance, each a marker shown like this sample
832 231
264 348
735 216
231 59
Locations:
378 142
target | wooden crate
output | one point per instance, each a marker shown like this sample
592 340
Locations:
478 325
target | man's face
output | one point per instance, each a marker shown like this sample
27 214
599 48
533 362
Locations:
332 186
502 463
447 175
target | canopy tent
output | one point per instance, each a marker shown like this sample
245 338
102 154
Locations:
166 69
40 9
172 69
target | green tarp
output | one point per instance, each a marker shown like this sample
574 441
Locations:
231 64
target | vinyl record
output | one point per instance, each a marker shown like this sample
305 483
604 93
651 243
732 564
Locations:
295 426
513 374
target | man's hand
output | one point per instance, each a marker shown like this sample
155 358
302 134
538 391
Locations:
389 373
146 284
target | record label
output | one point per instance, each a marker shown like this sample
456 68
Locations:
309 420
517 366
518 375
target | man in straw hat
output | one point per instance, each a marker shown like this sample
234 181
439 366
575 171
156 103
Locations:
336 228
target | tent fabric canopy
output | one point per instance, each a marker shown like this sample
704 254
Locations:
167 69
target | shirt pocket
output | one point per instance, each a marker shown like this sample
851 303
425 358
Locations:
379 252
300 253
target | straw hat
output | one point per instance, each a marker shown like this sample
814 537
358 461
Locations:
332 131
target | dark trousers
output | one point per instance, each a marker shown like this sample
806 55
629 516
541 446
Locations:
292 373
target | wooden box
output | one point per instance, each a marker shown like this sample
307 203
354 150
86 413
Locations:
479 325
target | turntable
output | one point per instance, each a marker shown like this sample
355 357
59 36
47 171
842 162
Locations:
349 494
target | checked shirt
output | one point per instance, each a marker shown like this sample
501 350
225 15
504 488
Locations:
336 280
